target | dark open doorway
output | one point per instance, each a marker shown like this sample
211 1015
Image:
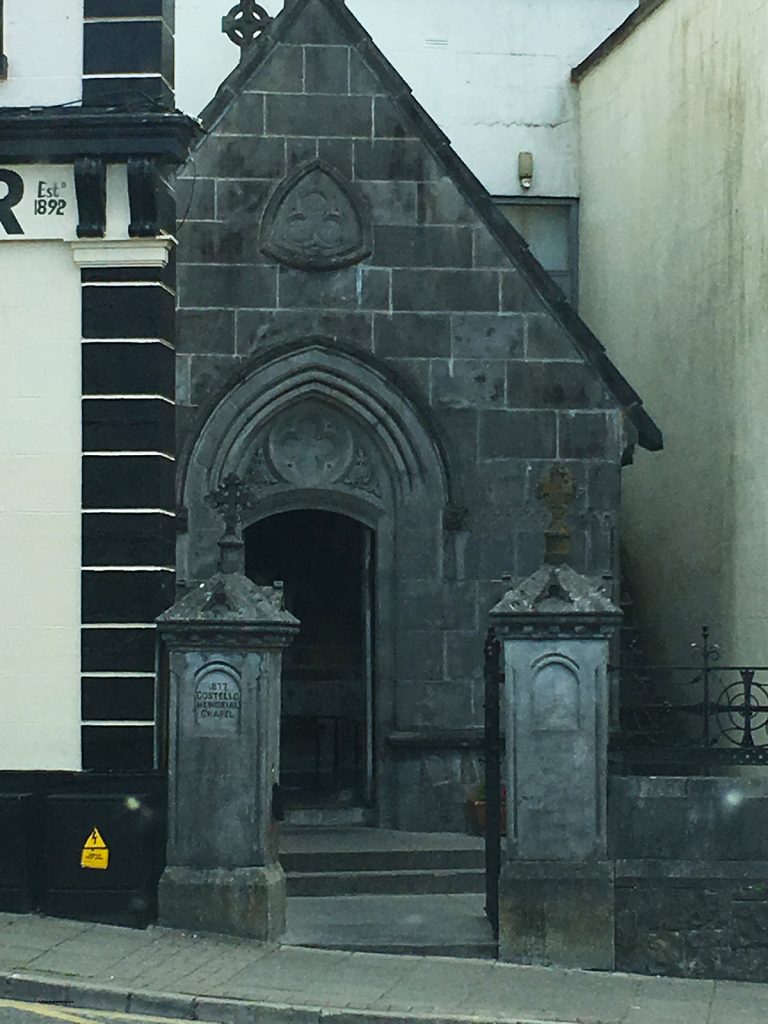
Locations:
325 561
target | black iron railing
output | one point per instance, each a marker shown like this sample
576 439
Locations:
493 675
692 718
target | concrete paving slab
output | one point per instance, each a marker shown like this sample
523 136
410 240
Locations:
27 931
437 975
293 970
737 1002
543 993
13 955
90 953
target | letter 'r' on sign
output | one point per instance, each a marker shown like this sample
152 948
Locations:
10 196
95 853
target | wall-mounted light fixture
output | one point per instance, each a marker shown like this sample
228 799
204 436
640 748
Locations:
525 170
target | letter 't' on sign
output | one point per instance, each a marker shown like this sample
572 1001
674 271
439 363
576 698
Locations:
15 186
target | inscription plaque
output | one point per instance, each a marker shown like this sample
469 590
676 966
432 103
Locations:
556 698
217 701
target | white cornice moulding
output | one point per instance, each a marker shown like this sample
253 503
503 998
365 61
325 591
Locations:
129 252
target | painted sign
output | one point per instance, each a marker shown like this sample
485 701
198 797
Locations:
217 702
38 202
95 853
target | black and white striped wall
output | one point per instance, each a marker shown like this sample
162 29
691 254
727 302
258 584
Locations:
128 387
128 476
128 52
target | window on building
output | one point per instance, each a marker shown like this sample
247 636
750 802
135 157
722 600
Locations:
550 227
3 58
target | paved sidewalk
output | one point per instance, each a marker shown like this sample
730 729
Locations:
210 978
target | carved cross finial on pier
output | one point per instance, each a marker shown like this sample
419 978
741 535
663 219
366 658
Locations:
244 22
557 490
231 499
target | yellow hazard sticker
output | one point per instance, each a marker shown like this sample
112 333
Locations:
95 853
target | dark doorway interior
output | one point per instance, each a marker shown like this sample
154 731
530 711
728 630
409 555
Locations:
325 563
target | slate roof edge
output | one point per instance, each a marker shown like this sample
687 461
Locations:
474 192
616 38
64 134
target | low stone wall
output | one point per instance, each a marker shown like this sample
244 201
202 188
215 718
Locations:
694 819
691 876
693 919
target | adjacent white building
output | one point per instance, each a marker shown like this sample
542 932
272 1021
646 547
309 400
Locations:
494 74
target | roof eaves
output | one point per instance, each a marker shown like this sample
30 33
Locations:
616 38
594 353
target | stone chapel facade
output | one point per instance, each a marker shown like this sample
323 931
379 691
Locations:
365 340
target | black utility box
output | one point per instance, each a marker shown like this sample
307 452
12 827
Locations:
20 850
125 891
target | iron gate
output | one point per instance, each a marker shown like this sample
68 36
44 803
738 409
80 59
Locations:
493 680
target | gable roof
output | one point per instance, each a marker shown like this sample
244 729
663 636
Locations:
473 191
616 38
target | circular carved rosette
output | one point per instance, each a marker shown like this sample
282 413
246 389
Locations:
311 447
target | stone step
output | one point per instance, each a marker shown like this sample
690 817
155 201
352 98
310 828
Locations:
407 882
443 924
317 861
465 950
326 817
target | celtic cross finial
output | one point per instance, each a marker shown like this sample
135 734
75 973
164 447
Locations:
244 22
231 499
557 490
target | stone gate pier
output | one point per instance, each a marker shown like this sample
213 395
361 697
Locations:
556 890
225 639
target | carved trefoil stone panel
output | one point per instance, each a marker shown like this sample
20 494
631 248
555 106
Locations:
316 220
313 445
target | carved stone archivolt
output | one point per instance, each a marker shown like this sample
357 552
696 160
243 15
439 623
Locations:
314 445
316 220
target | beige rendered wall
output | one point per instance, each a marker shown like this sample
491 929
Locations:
674 277
39 507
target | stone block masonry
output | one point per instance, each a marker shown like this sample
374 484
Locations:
693 919
691 870
440 316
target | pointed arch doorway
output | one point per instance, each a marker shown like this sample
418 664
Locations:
326 562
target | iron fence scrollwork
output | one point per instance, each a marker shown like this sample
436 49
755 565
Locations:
694 717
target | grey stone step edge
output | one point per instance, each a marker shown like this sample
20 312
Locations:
456 881
389 860
463 951
26 987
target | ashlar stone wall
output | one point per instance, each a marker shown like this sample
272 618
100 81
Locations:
435 322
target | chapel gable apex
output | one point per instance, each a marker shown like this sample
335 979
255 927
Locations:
315 98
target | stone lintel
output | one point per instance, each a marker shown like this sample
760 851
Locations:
252 637
93 253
